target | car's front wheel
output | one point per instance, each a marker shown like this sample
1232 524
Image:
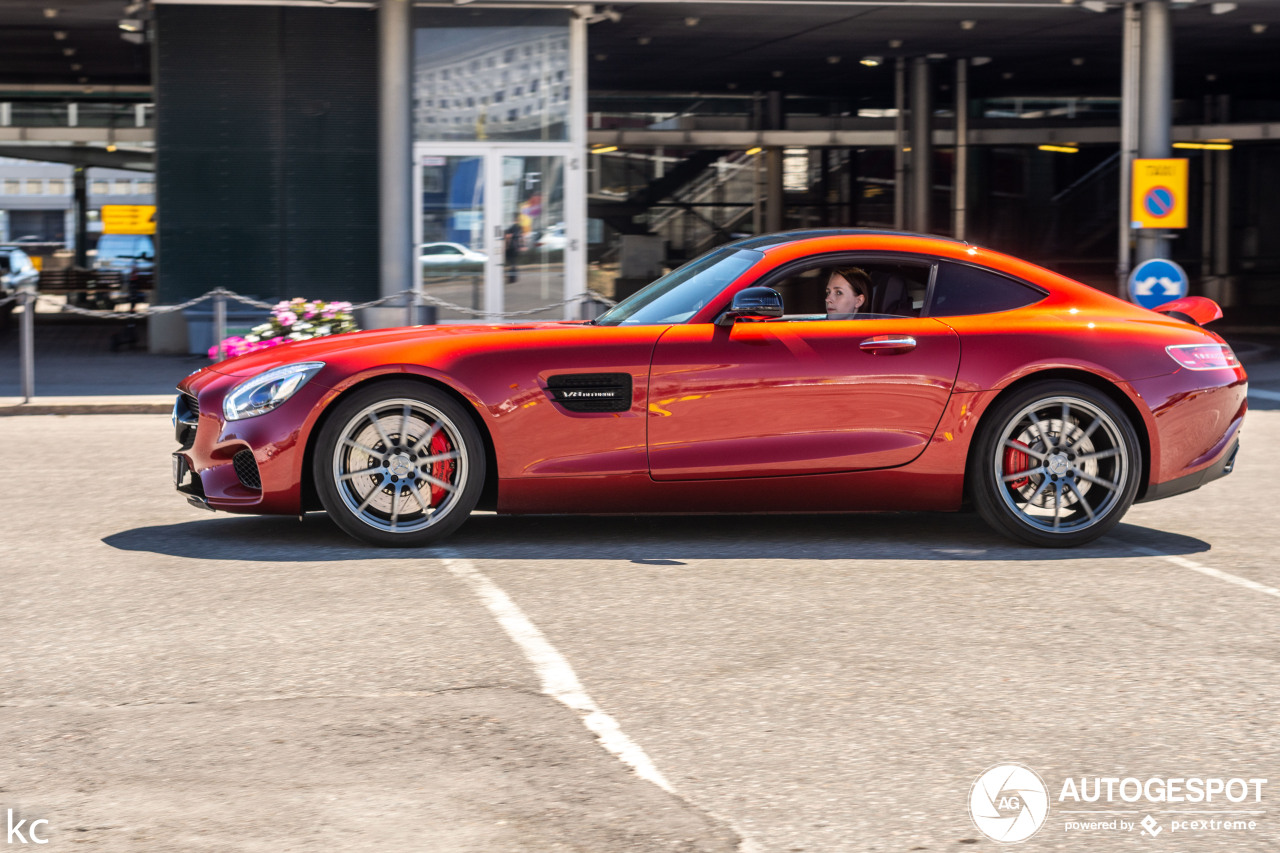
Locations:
399 464
1056 464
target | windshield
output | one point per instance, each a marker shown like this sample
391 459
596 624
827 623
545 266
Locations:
683 292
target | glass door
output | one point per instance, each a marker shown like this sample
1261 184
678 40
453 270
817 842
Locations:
452 255
511 252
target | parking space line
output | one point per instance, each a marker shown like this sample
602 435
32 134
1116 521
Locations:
1211 572
558 678
1264 395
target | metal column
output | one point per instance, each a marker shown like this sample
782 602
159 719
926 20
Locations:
1129 88
80 191
921 145
395 147
960 184
899 143
775 200
1155 107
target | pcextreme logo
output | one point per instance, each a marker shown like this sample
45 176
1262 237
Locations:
1010 803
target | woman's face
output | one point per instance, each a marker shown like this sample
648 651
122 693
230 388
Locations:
841 298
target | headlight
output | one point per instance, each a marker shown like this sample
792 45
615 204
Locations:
265 391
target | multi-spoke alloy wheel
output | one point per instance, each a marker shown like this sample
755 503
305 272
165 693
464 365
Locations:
1056 464
399 464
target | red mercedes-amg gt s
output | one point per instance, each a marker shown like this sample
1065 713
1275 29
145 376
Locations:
723 387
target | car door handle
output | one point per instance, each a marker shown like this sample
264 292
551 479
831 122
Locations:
888 344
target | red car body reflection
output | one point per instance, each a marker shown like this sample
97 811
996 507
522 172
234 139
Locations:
798 413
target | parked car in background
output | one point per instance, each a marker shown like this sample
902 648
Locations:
552 239
16 270
447 257
134 255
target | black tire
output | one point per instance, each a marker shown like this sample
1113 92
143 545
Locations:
1055 464
399 464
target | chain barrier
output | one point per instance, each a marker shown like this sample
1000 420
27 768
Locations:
423 298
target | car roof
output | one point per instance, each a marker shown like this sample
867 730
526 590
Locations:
764 241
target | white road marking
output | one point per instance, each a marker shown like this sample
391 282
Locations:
558 678
1211 572
1264 395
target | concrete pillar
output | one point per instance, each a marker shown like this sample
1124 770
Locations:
395 146
960 184
1130 65
900 143
921 144
1155 110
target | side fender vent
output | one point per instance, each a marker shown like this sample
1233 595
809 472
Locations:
591 392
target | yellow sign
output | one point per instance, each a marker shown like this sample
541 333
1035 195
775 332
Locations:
128 219
1159 198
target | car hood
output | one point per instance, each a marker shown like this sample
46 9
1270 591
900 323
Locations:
320 349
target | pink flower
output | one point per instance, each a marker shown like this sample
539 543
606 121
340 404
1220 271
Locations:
287 318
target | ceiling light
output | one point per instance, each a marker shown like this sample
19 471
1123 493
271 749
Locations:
1098 6
84 79
51 12
731 86
59 35
1258 29
692 21
601 57
134 38
111 147
777 73
644 40
1008 75
871 61
1077 60
833 60
968 25
935 56
1211 77
895 43
1222 8
1060 149
604 149
134 8
1068 2
980 60
1204 146
68 51
76 66
130 25
753 151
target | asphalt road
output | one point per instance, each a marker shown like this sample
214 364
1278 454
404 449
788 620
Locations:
177 680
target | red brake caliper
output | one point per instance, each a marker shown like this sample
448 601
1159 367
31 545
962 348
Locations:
442 470
1016 461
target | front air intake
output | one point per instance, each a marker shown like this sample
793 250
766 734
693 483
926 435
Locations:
247 470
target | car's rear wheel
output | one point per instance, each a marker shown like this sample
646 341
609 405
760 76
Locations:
1056 464
399 464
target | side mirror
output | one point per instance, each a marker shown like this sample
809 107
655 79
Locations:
752 303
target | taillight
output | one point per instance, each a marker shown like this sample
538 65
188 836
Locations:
1203 356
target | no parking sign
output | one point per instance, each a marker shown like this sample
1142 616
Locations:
1159 194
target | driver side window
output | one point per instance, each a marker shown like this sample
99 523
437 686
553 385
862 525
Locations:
897 289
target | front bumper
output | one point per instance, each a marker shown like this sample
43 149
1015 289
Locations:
253 465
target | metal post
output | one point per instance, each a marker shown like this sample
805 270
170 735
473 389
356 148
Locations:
80 189
1155 106
1222 217
960 192
395 147
921 145
899 143
28 345
775 219
1129 65
220 322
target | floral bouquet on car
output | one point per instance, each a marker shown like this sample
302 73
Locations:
295 320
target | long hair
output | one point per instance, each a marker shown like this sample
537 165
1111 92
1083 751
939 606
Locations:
858 280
